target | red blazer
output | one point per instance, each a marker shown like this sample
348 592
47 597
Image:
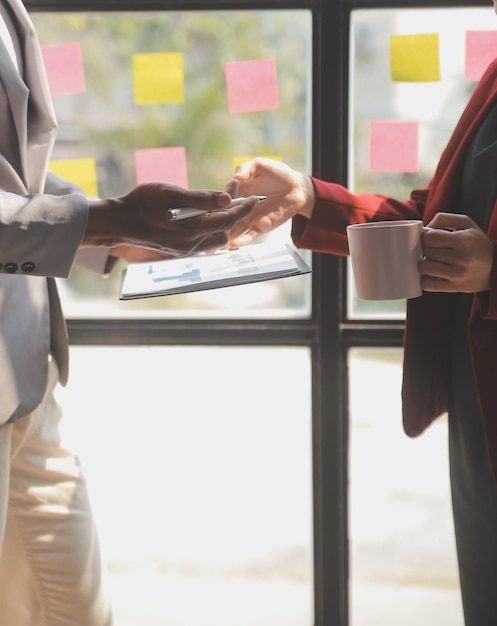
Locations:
426 338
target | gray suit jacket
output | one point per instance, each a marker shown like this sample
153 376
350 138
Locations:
39 233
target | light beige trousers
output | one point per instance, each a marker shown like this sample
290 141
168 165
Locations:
50 567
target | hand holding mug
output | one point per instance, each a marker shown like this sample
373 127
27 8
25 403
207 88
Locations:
457 255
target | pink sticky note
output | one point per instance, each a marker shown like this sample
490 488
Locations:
251 85
481 50
64 67
393 146
166 164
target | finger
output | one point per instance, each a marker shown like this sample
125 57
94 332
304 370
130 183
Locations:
440 255
240 228
430 283
246 174
243 170
232 187
437 238
436 269
258 223
244 239
454 277
228 217
205 199
451 221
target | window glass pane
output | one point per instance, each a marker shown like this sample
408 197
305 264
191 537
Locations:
200 478
379 93
403 560
113 110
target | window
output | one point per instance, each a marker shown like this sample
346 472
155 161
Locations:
432 107
402 554
117 127
198 464
199 459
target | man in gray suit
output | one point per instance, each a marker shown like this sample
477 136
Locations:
50 570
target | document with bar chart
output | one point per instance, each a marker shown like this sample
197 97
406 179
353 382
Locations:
254 263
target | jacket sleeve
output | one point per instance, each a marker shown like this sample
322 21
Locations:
40 234
95 259
336 207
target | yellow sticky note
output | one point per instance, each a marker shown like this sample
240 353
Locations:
238 160
81 172
415 58
158 78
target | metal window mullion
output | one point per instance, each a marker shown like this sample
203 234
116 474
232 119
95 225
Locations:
162 332
166 5
330 418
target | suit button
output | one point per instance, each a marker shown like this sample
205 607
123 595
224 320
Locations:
28 267
11 268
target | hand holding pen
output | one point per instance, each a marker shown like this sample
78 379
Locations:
182 213
138 224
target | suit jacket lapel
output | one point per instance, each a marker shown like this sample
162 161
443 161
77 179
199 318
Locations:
16 107
31 106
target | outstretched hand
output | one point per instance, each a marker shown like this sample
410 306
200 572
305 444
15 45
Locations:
138 220
287 192
458 255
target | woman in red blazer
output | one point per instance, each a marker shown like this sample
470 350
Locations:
450 355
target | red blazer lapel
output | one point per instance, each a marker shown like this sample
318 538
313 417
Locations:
445 183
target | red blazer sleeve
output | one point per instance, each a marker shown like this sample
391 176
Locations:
336 207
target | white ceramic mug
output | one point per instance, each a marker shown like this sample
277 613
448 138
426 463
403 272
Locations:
385 257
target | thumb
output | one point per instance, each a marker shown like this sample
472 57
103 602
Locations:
244 171
450 221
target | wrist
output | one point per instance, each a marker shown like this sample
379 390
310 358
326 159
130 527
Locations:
100 229
308 196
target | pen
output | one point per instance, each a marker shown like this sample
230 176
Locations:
184 212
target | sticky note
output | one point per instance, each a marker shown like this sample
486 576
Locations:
165 164
481 50
415 58
64 68
158 78
238 160
393 146
251 85
81 172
